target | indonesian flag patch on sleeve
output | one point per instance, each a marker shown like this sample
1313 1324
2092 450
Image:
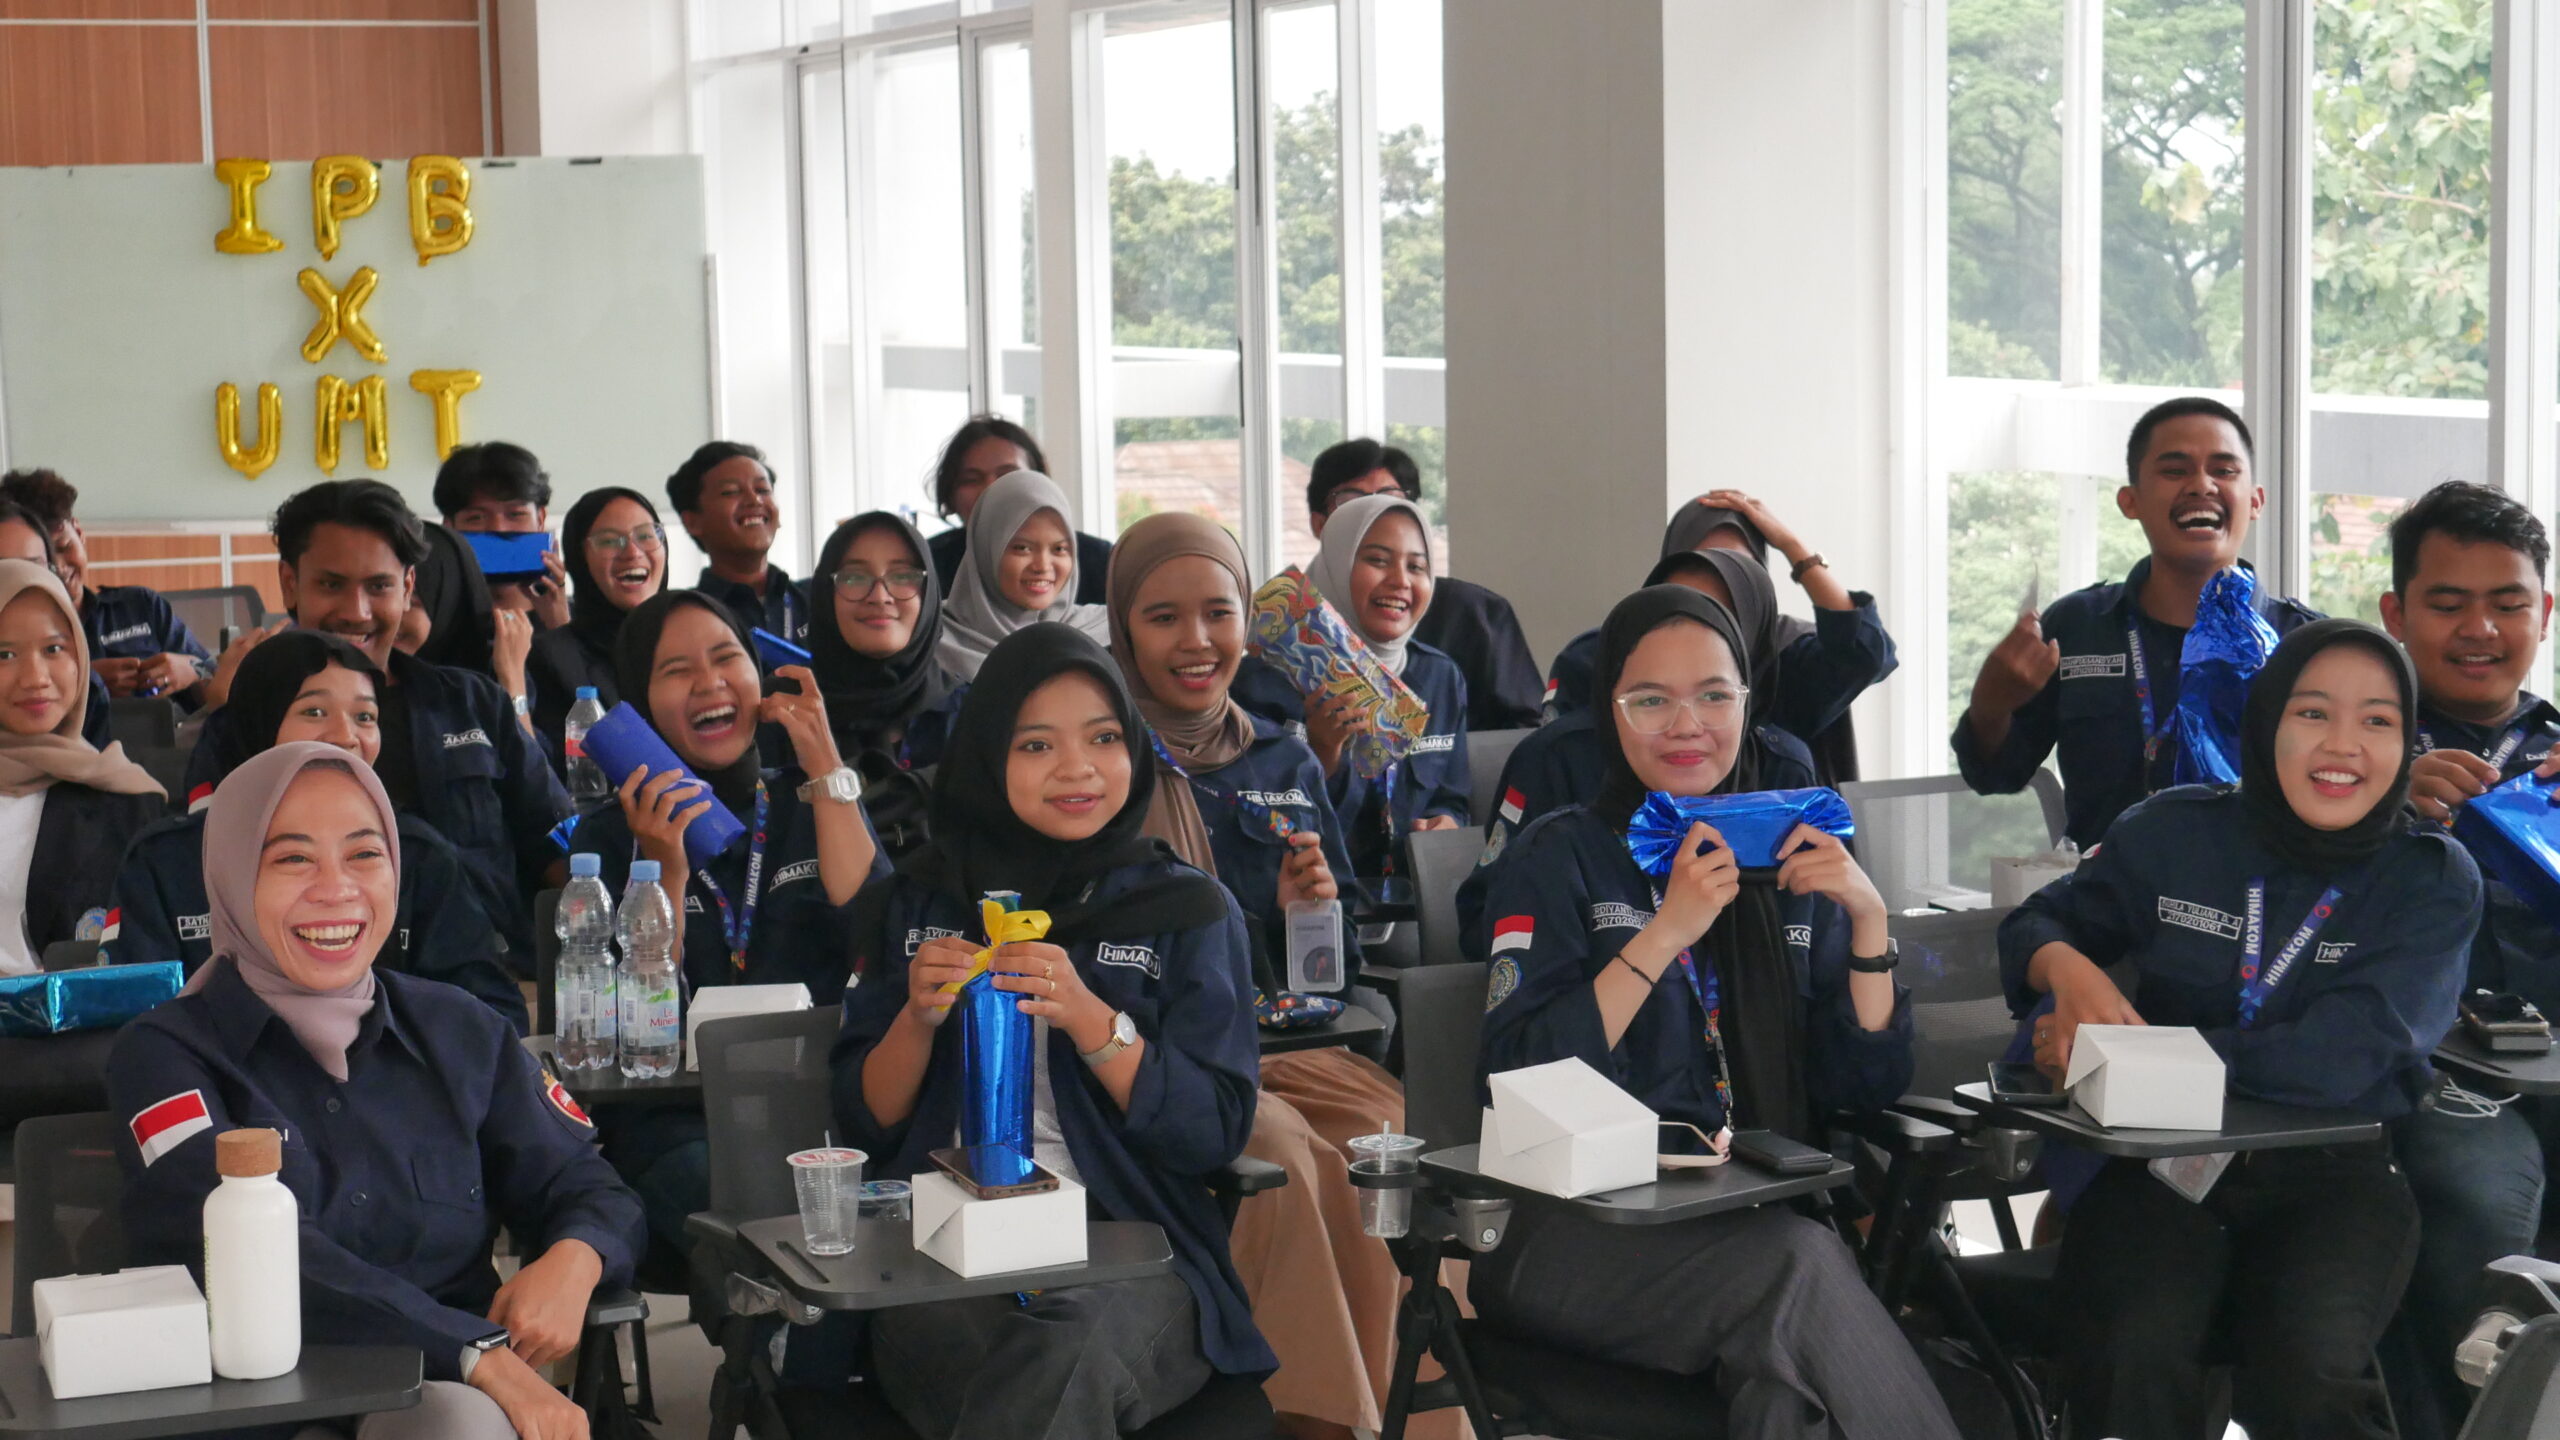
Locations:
562 1101
199 797
1514 933
1513 803
168 1124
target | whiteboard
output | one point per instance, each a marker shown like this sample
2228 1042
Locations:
580 300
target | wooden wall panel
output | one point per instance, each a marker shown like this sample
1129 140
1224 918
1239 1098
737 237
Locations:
98 10
99 95
464 10
299 92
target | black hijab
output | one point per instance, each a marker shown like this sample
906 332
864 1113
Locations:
1754 607
1763 1023
461 618
1692 523
635 655
980 844
867 697
591 612
2322 852
270 675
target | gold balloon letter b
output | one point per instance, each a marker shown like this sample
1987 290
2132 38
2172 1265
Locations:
330 204
243 237
226 428
439 218
343 402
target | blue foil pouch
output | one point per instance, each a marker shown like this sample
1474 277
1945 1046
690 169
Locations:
622 742
1754 823
100 998
2226 648
2514 832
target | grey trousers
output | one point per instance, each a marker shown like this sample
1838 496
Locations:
1086 1363
1766 1301
446 1410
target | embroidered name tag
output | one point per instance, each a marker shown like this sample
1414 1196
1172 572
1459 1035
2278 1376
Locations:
195 927
2203 919
467 737
1434 744
2092 667
1614 916
130 632
1134 957
1276 797
1800 935
916 938
2332 951
800 870
693 904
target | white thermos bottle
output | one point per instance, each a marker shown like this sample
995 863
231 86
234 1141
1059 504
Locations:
252 1259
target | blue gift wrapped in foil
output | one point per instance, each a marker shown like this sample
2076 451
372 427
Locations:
2225 650
2514 832
996 1038
100 998
1754 823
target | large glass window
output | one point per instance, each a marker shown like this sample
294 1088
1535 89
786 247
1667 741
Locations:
915 293
2004 188
1303 67
745 114
1412 278
1012 231
827 286
2173 194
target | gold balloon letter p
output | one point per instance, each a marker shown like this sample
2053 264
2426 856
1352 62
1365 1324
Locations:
243 237
439 217
226 428
343 402
331 204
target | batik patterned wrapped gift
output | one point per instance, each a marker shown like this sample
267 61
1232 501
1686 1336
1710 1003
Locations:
2226 648
2514 832
1293 630
100 998
1754 823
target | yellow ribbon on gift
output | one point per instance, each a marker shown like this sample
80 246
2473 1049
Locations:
1004 927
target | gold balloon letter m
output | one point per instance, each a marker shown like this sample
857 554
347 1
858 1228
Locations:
344 402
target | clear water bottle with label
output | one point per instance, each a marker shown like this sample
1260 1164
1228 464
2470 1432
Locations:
583 982
586 778
652 1036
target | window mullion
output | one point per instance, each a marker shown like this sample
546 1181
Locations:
1364 316
1257 298
2084 49
2524 256
2277 281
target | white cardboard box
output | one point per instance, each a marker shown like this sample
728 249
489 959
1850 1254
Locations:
140 1329
721 1001
993 1237
1566 1129
2015 877
2146 1077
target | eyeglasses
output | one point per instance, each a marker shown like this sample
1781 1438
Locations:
1651 714
903 584
611 542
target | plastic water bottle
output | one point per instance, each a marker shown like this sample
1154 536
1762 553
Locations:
652 1036
252 1259
586 777
583 982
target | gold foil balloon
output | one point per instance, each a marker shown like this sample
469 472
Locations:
446 388
342 188
226 428
439 217
341 315
242 236
344 402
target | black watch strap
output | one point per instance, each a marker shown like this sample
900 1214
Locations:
1878 964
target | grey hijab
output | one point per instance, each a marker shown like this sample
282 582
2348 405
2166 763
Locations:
977 616
1344 530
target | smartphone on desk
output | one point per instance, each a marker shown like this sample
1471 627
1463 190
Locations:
2505 1024
1768 1150
991 1172
2014 1082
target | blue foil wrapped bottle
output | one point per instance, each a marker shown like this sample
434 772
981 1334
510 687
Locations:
2227 647
995 1054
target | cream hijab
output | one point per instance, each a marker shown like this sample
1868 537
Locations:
29 763
1344 531
977 616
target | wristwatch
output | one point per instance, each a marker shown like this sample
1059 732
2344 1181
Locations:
1877 964
473 1351
842 785
1813 561
523 705
1124 1033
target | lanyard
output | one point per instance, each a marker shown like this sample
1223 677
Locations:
2152 731
2255 985
736 925
1710 993
1279 824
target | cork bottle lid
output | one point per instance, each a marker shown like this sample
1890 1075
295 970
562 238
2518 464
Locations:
248 1153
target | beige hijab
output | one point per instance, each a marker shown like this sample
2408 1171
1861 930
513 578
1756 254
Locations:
1199 742
29 763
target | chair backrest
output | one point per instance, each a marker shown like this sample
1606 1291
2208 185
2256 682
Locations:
1487 752
765 1095
69 1193
1441 1011
1920 839
139 720
207 611
2522 1397
166 764
1442 860
70 955
546 961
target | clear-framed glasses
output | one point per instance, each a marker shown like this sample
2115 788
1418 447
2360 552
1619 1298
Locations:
645 537
1651 712
854 582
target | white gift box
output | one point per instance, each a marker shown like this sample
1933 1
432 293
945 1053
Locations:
1566 1129
975 1237
2146 1077
2015 877
140 1329
718 1002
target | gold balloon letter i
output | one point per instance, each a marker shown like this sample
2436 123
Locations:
243 237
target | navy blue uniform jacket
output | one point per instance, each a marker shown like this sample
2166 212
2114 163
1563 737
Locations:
2088 711
2516 950
442 931
133 622
1571 899
2351 1026
80 840
1431 779
1277 774
1478 628
444 1130
781 610
1190 1110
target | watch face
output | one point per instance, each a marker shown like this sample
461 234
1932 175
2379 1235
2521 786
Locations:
1124 1029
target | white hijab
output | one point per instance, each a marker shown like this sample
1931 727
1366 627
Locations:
1344 530
977 616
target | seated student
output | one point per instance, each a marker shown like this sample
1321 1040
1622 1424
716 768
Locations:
977 455
495 488
2296 1257
304 685
872 644
1241 799
454 624
1467 622
1718 1000
413 1124
723 493
67 808
617 558
137 643
1374 568
1819 668
2469 604
2076 680
770 909
23 537
347 554
1019 569
1144 1055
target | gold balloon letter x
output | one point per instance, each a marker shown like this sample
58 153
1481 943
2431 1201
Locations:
341 314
